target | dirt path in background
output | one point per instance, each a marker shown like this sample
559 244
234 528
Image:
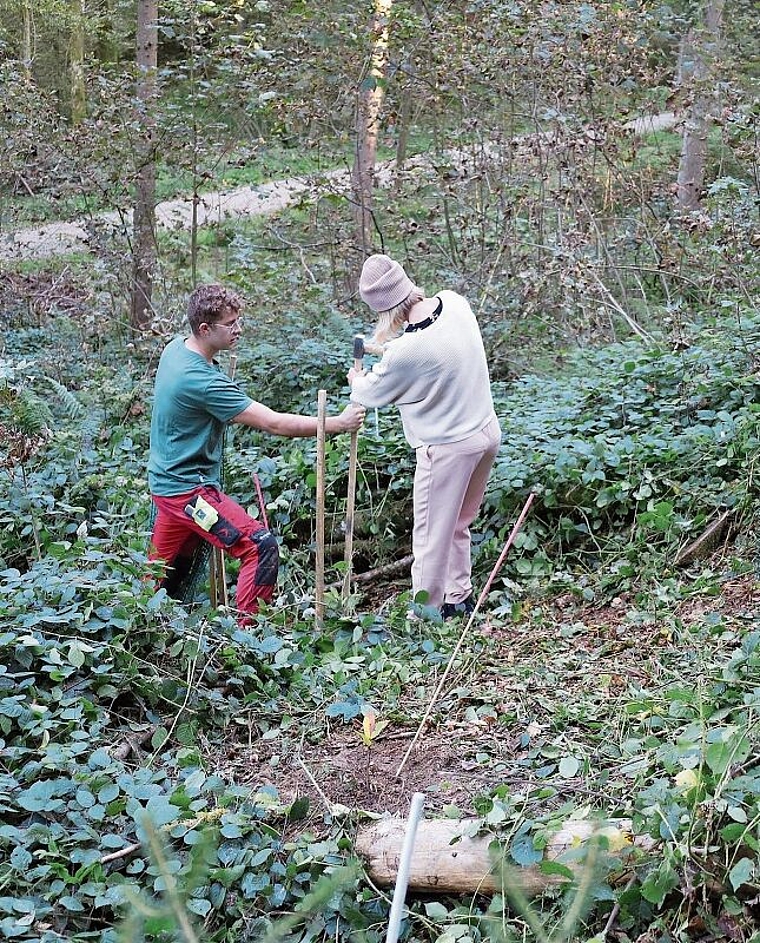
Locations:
61 238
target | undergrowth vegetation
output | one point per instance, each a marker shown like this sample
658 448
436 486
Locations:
120 813
168 775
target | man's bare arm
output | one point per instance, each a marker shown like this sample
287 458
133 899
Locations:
293 425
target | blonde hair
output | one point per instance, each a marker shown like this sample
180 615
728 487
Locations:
390 323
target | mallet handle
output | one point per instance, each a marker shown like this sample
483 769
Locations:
358 351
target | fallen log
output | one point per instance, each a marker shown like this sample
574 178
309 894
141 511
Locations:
446 859
707 541
389 569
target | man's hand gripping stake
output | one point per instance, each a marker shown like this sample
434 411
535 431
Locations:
351 497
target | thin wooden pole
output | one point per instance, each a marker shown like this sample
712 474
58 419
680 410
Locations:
319 592
217 569
351 496
466 629
217 576
262 506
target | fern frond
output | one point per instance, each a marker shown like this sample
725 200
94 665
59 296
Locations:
74 409
29 413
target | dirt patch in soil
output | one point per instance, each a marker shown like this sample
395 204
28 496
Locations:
444 765
456 761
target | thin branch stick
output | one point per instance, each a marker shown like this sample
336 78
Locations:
121 853
466 629
612 302
319 591
616 909
328 805
133 744
262 506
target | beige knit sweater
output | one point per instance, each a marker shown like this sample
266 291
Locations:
437 376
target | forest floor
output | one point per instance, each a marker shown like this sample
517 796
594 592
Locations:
562 658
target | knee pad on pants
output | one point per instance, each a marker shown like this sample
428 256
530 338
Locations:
268 557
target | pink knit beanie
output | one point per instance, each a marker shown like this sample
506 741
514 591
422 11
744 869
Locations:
383 283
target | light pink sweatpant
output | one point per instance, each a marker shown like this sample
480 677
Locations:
449 484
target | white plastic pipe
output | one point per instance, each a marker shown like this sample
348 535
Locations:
402 877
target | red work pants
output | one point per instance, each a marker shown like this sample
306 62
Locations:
176 536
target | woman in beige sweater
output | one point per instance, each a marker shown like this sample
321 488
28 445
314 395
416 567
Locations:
434 369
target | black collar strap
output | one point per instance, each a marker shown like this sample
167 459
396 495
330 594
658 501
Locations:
421 325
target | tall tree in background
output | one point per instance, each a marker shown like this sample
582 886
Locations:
144 250
27 37
369 104
76 62
699 52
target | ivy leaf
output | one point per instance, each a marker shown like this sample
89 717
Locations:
160 811
159 738
556 869
298 810
270 645
21 858
73 904
198 905
524 852
43 796
568 767
10 928
345 709
436 911
658 883
741 873
76 655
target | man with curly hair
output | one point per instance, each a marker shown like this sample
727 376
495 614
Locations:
194 400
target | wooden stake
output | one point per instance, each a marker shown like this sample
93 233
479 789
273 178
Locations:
262 506
217 577
319 591
351 495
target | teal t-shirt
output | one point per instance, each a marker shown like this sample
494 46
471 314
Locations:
193 400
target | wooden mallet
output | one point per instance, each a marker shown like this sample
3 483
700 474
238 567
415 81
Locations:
351 496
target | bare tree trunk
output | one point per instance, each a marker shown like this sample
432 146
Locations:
405 118
369 103
76 59
27 37
144 250
195 168
699 50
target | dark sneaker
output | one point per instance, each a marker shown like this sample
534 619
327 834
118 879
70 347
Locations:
451 610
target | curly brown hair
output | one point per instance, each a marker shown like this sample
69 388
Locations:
210 303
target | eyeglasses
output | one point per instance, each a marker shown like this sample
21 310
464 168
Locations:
230 325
